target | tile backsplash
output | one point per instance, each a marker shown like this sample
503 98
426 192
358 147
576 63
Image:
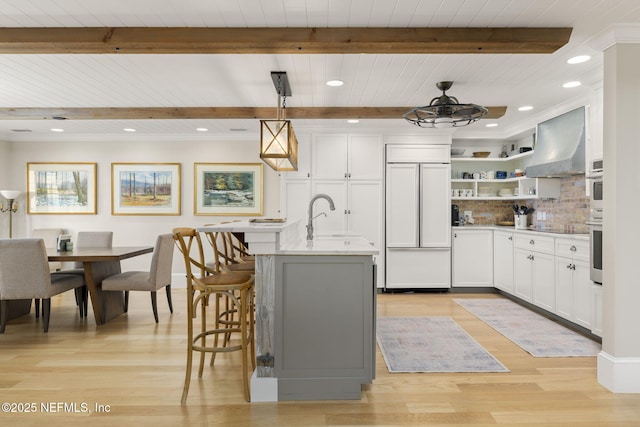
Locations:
568 212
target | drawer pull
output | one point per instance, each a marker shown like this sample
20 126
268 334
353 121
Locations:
532 242
573 248
510 237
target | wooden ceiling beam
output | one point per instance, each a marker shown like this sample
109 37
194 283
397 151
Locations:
182 40
159 113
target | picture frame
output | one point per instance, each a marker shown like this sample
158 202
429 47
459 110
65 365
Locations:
228 189
145 189
61 188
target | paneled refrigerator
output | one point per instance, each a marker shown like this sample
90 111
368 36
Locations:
418 217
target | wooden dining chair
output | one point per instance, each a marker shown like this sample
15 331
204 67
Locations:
25 275
225 257
204 285
158 276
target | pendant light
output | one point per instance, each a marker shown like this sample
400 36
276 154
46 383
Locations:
445 111
278 142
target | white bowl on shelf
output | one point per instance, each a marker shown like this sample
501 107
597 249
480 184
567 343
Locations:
457 151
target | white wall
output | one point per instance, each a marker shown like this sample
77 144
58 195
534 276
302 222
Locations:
131 230
5 173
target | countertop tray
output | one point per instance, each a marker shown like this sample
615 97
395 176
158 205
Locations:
268 220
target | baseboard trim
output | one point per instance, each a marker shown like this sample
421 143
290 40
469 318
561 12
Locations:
619 374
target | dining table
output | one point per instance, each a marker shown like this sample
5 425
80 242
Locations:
98 264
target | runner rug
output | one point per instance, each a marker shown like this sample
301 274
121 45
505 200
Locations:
431 344
536 334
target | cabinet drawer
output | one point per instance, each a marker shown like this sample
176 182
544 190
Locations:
536 243
575 249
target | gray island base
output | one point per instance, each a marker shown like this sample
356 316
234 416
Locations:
315 313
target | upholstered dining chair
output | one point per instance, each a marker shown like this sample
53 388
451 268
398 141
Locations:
88 239
24 274
158 277
50 237
204 285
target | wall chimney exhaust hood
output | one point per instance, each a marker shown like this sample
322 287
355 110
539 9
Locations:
560 146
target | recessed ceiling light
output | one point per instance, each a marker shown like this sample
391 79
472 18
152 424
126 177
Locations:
129 130
353 121
202 129
491 125
335 83
578 59
525 108
571 84
56 130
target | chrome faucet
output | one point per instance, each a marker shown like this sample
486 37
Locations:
311 217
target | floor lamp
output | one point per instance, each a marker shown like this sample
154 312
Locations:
12 207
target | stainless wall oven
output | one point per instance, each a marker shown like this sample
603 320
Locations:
595 221
595 242
595 183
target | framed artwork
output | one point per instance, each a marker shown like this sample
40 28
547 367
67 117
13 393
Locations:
145 188
228 189
61 188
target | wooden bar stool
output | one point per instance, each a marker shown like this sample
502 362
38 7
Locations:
235 287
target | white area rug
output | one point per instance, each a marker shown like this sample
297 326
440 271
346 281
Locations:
431 344
536 334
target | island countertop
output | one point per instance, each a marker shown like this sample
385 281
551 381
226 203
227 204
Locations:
289 238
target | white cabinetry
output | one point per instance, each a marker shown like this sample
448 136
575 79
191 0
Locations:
347 156
574 293
418 231
295 186
472 258
596 325
349 169
534 270
503 260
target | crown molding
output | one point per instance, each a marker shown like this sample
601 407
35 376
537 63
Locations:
617 33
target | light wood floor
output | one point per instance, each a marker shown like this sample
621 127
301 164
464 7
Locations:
137 368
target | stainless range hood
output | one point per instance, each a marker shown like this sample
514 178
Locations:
560 146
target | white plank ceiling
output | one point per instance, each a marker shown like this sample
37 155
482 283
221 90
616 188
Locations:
203 80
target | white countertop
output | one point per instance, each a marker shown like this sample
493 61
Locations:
331 245
577 236
289 238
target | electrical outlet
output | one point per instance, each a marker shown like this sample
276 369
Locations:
539 216
544 216
467 214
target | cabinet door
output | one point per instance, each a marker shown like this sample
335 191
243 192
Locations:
472 258
582 295
564 288
402 205
503 260
523 274
365 157
364 217
435 205
295 199
329 157
304 160
544 289
334 221
596 324
418 268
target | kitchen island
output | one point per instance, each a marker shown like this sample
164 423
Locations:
315 312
